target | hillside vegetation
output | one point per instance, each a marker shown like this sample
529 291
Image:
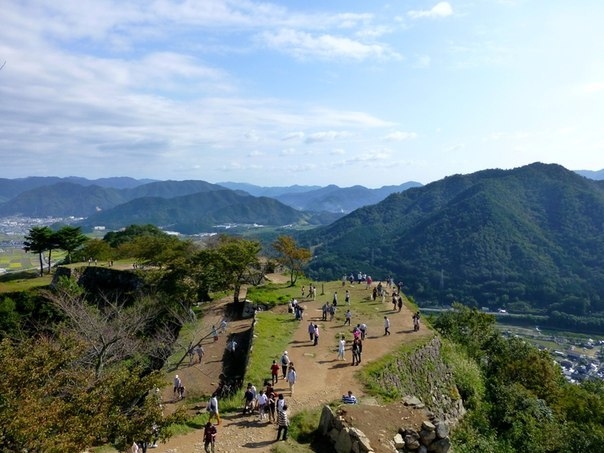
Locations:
528 239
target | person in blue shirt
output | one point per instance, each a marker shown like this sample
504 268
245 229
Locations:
349 398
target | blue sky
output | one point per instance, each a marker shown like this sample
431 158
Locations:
299 92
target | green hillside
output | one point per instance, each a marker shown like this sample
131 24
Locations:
532 237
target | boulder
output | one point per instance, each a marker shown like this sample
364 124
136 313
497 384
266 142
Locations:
399 442
343 443
326 420
440 446
442 430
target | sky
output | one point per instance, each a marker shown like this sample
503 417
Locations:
304 92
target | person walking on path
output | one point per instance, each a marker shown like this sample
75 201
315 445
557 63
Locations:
177 386
213 409
386 325
311 330
348 317
292 377
262 405
274 372
341 348
347 298
280 403
272 405
357 350
335 299
400 303
209 437
316 342
284 364
283 423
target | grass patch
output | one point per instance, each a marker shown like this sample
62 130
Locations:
272 334
273 294
379 376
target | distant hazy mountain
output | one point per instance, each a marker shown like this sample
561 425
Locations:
272 192
10 188
335 199
63 199
598 175
330 199
531 235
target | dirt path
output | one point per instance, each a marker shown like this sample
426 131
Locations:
321 377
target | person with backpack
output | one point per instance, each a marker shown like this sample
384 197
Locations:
284 364
213 408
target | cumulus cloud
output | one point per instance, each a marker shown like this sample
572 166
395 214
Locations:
399 136
441 9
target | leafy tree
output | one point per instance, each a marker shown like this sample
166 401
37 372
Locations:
237 260
468 327
117 238
291 256
96 248
69 238
51 401
158 250
38 240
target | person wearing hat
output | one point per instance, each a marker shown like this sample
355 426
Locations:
284 364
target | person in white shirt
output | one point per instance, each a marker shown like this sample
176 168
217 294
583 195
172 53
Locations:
291 378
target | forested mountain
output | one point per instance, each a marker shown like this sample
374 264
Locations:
530 237
198 212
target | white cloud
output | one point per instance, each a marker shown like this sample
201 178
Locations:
399 136
326 136
293 136
441 9
337 152
301 44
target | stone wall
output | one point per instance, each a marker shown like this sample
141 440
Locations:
432 437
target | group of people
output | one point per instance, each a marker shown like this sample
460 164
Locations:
272 406
313 332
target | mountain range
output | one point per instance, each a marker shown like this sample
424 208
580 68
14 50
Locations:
185 206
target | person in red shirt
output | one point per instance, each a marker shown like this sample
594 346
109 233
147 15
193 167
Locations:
275 372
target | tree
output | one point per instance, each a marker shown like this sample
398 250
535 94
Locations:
237 260
51 401
38 241
112 331
69 238
291 256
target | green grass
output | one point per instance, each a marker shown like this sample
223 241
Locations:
374 370
272 334
273 294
